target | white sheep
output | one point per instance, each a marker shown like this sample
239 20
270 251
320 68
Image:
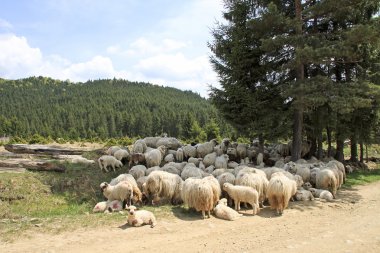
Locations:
178 166
139 146
245 194
169 143
122 155
325 179
108 206
259 159
221 162
179 155
255 179
194 160
206 148
137 218
169 158
155 156
226 177
222 211
137 195
189 151
322 194
111 150
171 169
280 190
190 170
137 171
303 195
209 159
123 191
107 160
162 184
151 141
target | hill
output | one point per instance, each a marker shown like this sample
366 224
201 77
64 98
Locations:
99 108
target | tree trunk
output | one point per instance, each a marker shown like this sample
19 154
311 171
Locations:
361 159
354 149
313 147
261 144
339 150
328 131
298 112
320 146
366 153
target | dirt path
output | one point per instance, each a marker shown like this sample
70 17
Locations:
350 225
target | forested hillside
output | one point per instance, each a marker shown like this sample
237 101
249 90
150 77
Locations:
102 108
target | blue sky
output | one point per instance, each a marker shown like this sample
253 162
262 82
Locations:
159 41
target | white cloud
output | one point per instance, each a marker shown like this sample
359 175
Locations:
5 24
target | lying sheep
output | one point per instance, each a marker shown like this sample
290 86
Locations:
155 156
303 195
222 211
199 194
206 148
161 184
137 218
107 160
280 190
108 206
322 194
122 155
243 194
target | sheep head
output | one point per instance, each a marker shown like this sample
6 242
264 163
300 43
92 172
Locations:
103 186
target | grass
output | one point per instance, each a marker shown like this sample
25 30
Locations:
362 177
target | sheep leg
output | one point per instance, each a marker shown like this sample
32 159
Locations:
203 215
238 205
208 214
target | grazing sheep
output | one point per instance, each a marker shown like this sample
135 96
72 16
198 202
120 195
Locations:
122 155
111 150
325 179
222 211
137 218
209 159
280 190
206 148
139 146
200 194
245 194
179 155
162 184
107 160
123 191
137 171
255 179
189 151
322 194
136 158
303 195
154 157
221 162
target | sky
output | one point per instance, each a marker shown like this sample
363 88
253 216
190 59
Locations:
163 42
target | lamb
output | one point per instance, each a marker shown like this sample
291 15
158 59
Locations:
303 195
122 155
245 194
123 191
189 151
325 179
137 171
322 194
179 155
222 211
206 148
226 177
107 160
136 158
111 150
137 195
280 190
154 157
257 181
199 194
140 217
221 162
139 147
162 184
110 206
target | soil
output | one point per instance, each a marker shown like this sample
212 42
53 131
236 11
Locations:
350 224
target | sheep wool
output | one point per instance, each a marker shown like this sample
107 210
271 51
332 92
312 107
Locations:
245 194
280 190
137 218
222 211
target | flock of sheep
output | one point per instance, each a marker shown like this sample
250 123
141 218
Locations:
211 176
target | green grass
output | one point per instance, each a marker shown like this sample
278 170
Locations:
362 177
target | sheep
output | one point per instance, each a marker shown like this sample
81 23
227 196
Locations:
111 150
209 159
259 159
189 151
136 158
140 181
307 185
313 175
325 179
303 195
283 149
139 147
162 184
179 155
137 195
222 211
200 194
206 148
216 173
245 194
150 170
107 160
232 165
218 150
171 169
190 170
169 158
210 169
137 171
254 179
322 194
110 206
151 141
169 143
100 207
154 157
232 154
217 191
123 191
221 162
201 166
226 177
241 150
178 166
194 161
280 190
137 218
122 155
225 144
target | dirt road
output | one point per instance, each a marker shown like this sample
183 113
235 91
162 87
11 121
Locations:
351 224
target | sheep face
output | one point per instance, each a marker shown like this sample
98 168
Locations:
103 186
131 210
307 185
